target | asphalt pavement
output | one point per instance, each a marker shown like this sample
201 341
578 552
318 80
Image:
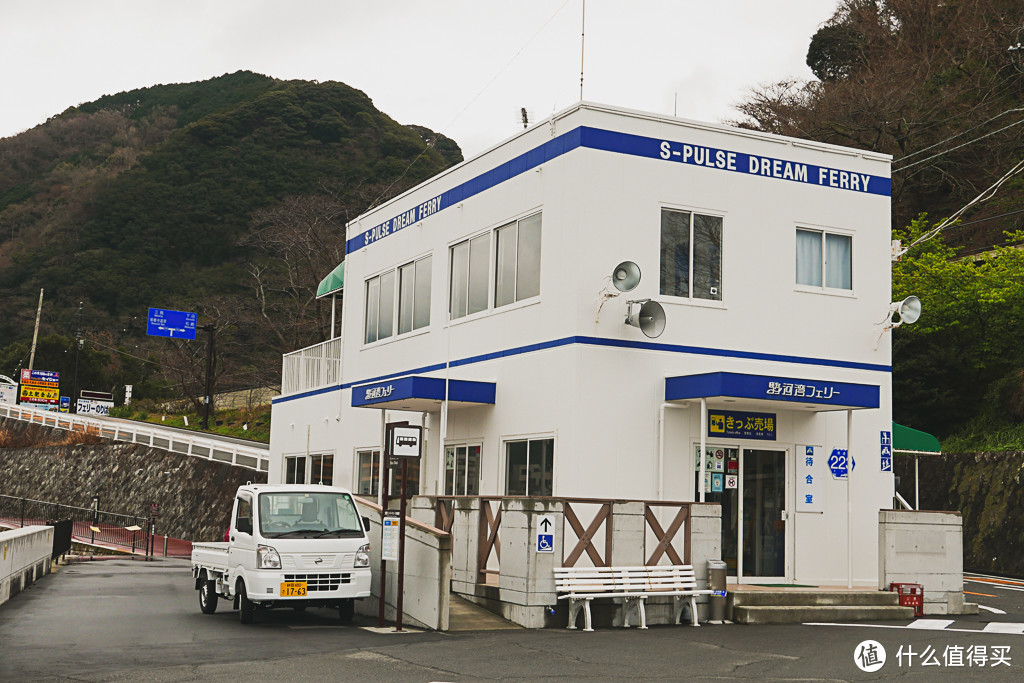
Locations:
122 619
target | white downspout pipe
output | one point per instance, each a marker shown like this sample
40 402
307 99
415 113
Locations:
849 499
703 442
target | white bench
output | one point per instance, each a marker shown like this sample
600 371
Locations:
633 584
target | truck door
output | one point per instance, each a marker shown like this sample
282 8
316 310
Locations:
242 548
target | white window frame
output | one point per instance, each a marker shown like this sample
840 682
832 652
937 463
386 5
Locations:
823 288
527 438
489 294
517 224
690 298
311 478
480 465
375 456
302 466
396 301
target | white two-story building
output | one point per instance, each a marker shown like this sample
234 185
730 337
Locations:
485 304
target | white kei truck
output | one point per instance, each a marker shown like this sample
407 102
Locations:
289 545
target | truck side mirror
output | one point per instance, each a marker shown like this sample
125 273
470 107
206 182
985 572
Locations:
244 525
366 523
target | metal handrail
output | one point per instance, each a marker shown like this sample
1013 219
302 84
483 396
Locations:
239 455
312 367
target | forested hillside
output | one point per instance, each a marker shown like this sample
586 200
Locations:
939 85
227 197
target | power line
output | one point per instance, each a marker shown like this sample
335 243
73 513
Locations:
936 156
953 137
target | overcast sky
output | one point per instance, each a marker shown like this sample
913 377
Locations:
460 67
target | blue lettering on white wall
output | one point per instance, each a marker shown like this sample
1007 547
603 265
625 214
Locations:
633 145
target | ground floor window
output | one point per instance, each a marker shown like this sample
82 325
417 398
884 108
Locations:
295 470
368 471
462 470
321 468
530 467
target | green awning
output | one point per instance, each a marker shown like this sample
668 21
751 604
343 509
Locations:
907 440
333 283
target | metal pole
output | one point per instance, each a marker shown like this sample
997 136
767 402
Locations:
401 550
165 545
917 485
849 499
35 334
22 512
385 482
209 376
73 406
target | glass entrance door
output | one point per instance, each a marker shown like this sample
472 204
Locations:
763 475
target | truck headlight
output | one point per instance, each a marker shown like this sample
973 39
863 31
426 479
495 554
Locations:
267 558
363 556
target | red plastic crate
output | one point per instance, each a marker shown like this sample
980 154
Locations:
911 595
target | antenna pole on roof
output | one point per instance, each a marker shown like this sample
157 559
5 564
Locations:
583 25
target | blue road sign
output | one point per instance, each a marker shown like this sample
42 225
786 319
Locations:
177 324
837 462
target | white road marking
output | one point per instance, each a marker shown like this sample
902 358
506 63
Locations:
945 630
1004 627
989 584
930 624
991 609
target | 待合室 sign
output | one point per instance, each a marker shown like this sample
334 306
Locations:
175 324
741 425
390 536
545 534
809 479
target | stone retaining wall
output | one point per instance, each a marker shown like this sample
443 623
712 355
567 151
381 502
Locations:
195 495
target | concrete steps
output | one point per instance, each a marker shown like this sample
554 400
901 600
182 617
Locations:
797 606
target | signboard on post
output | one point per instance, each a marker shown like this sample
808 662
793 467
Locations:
402 441
174 324
8 393
389 536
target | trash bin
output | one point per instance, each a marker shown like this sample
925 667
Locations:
716 582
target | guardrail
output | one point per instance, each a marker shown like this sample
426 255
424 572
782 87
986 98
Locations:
250 457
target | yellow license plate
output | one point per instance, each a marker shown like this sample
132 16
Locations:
293 589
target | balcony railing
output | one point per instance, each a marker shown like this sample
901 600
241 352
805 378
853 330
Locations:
313 367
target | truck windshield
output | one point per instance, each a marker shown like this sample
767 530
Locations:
305 515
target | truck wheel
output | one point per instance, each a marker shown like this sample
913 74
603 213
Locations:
208 596
246 608
347 610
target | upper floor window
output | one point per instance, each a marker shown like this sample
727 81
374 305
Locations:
824 259
516 267
691 255
517 272
411 285
469 279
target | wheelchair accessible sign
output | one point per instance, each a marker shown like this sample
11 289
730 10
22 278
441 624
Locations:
545 534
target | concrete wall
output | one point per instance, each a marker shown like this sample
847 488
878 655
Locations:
924 548
428 553
523 590
194 495
24 558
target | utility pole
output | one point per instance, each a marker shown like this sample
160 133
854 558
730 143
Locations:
208 404
73 408
35 334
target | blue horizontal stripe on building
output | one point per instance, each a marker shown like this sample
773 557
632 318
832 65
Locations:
633 145
602 342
